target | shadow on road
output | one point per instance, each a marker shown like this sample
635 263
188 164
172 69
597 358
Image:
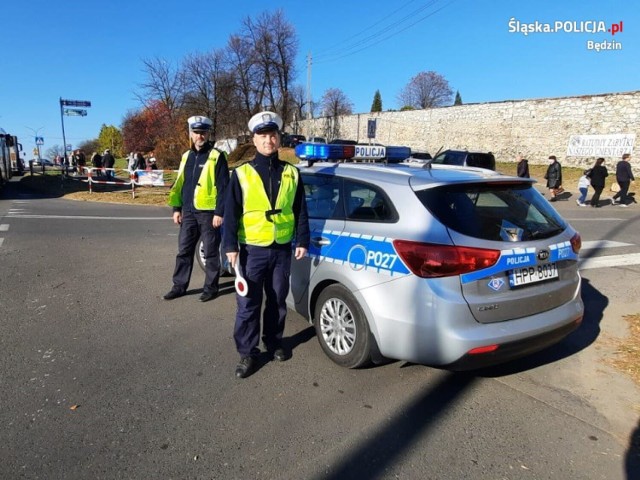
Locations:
386 445
632 458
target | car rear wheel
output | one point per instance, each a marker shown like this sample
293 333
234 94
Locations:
342 328
225 268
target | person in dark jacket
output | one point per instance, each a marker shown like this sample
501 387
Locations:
197 198
624 177
523 167
108 161
597 175
265 216
554 178
96 163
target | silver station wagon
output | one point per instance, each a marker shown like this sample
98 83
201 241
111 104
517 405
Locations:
448 266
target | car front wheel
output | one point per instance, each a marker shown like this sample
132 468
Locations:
225 268
342 328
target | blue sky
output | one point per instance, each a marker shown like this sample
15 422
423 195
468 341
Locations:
89 50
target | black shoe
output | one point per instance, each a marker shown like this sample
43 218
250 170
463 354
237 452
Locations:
206 296
245 367
173 293
280 355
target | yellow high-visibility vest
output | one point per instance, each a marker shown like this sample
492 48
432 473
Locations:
205 193
260 224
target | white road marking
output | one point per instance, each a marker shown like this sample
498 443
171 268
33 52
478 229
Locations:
86 217
4 227
1 241
593 244
610 261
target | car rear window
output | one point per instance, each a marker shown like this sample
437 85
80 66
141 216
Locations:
494 211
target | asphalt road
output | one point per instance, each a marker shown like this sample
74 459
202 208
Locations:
101 378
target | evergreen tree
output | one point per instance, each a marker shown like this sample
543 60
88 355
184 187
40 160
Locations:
376 106
458 100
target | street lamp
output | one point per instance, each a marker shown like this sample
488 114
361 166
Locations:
35 135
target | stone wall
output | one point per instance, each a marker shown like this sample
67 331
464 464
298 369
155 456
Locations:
534 128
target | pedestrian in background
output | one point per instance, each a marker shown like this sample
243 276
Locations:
583 188
151 164
108 161
522 167
265 213
96 162
624 177
554 178
197 198
597 175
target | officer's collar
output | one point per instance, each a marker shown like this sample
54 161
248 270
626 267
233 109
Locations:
265 160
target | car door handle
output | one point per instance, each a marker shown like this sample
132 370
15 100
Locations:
320 241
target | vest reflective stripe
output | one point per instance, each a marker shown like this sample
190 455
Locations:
205 193
254 227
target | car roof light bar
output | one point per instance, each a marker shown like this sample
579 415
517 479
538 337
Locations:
313 152
324 151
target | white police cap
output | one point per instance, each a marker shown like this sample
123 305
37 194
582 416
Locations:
265 121
199 124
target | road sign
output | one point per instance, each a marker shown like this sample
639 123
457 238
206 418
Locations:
75 103
39 140
69 148
75 112
371 128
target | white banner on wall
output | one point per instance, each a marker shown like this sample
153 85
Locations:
613 145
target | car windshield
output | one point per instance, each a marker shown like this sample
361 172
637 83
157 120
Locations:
450 158
494 211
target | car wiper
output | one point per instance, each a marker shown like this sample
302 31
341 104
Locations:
546 233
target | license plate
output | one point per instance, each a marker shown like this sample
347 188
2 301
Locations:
534 274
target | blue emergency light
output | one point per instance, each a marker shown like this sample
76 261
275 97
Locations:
324 151
397 154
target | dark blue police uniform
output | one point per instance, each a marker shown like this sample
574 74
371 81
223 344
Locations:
197 223
264 268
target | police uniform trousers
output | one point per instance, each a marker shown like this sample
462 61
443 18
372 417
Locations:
266 269
195 225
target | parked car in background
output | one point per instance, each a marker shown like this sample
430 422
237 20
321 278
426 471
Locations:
291 140
42 161
317 140
465 158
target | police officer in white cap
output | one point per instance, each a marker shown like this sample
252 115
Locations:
197 198
265 216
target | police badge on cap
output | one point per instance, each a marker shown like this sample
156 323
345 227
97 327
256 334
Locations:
264 122
199 124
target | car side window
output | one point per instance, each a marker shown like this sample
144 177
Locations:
364 202
322 194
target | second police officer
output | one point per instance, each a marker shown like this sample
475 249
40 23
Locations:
265 213
197 198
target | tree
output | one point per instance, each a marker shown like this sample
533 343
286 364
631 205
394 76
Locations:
426 90
376 106
111 138
89 146
54 151
273 44
163 83
334 103
458 100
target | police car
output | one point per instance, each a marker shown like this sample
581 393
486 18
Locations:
434 264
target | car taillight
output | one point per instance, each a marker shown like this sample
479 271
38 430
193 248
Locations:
430 260
576 243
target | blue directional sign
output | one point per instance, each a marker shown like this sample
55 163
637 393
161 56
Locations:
75 103
75 112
